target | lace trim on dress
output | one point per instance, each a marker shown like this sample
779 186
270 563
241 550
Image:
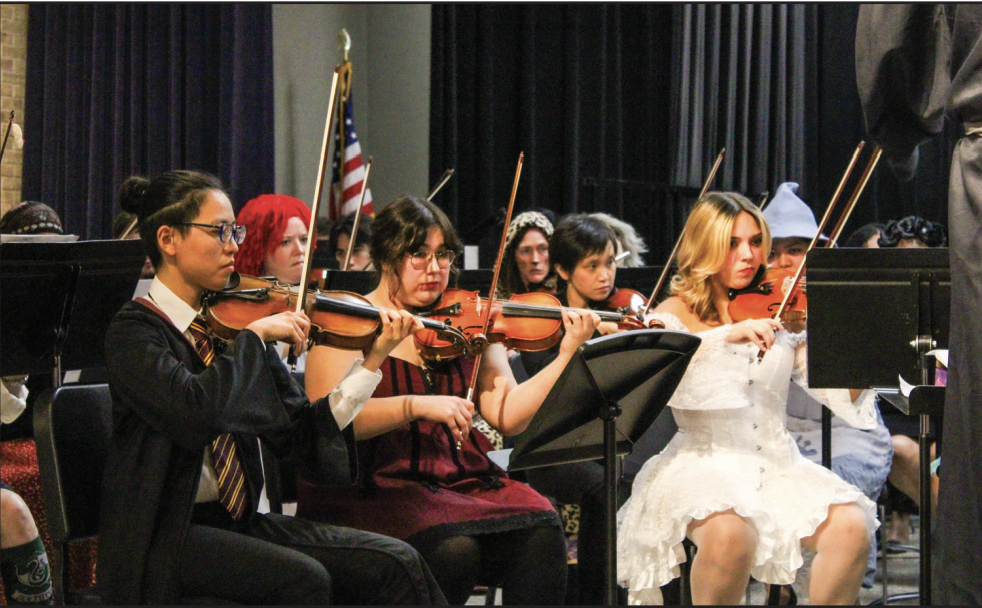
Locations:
860 414
724 366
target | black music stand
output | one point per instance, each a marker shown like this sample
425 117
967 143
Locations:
606 398
898 304
58 300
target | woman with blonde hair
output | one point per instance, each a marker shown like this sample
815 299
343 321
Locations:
732 480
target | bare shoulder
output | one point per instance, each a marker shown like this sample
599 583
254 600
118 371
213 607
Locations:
675 306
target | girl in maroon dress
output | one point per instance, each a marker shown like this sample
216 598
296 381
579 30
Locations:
470 522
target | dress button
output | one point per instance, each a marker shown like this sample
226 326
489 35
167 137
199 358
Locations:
758 448
755 426
761 469
751 382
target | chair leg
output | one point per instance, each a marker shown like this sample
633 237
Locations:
492 594
685 585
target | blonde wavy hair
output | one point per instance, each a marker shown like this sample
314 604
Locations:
705 244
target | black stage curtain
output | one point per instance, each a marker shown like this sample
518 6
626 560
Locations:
138 89
615 104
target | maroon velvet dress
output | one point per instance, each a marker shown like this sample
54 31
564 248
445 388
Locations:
413 482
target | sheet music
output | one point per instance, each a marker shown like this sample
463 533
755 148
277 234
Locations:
38 238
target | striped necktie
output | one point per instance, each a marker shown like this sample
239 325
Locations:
232 490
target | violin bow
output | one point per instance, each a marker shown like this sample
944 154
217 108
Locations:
314 208
828 212
354 228
10 124
443 180
837 231
671 256
763 199
318 191
494 279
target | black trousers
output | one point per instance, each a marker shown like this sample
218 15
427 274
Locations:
275 559
582 483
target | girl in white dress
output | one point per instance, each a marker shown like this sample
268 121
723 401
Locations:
732 479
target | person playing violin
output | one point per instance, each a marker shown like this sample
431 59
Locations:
732 480
526 264
276 226
183 505
860 457
583 249
340 238
424 474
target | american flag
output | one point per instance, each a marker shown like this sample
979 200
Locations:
354 171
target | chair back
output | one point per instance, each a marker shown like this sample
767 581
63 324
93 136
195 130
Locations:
72 429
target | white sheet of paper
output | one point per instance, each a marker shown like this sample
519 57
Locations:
941 354
905 387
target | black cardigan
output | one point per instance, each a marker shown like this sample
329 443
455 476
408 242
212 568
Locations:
166 408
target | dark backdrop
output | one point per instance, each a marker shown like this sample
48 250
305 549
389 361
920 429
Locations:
137 89
623 108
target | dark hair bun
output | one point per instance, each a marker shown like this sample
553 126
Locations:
131 194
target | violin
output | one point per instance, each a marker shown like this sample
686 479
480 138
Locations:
779 293
631 304
527 322
339 319
764 296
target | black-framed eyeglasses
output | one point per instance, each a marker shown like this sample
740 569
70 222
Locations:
421 260
225 231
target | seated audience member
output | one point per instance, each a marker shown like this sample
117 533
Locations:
29 217
424 476
909 232
526 266
276 238
124 222
340 237
627 240
867 236
23 560
860 457
183 511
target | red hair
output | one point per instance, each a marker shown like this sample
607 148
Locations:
265 218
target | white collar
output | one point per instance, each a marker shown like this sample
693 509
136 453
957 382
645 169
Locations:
176 309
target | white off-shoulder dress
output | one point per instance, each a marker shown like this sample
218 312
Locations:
733 451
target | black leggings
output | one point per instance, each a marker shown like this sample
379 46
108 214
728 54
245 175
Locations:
529 565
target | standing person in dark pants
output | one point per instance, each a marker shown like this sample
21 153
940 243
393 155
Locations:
916 63
184 510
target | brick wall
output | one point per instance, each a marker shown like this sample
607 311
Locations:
13 70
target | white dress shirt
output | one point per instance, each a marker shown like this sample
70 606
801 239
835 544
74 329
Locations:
13 398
